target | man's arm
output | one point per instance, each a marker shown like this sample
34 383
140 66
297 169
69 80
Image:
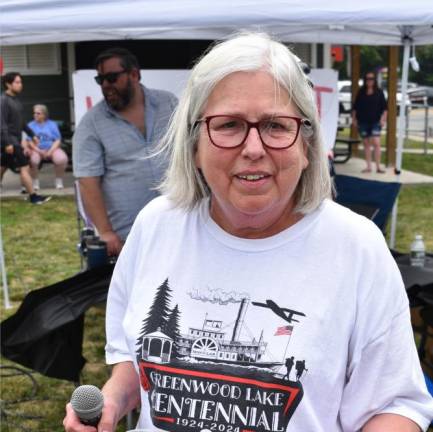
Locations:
94 204
390 423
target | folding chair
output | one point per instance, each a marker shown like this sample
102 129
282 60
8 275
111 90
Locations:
86 229
373 199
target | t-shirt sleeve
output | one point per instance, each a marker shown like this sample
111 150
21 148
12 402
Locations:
55 131
87 150
116 348
384 373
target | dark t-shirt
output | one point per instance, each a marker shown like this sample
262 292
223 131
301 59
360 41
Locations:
12 122
369 108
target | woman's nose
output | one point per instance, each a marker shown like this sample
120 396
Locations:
253 146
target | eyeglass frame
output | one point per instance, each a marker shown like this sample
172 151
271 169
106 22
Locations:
255 125
100 78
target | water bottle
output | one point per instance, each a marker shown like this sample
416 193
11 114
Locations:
417 252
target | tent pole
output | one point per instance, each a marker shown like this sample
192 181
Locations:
402 114
400 137
393 224
4 276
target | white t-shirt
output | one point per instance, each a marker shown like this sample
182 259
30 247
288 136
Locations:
307 330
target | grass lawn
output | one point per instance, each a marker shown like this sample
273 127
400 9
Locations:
40 249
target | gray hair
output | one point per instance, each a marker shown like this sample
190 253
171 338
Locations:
43 108
183 183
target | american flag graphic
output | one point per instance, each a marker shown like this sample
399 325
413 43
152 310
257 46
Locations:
284 330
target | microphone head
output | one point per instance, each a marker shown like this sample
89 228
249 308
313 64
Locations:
87 402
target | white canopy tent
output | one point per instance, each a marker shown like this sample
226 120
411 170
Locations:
370 22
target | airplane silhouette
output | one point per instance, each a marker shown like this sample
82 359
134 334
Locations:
286 314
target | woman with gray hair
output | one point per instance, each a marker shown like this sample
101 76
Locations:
244 268
48 148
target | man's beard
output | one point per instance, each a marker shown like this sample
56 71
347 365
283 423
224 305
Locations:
123 98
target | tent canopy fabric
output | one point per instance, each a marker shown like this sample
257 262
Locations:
369 22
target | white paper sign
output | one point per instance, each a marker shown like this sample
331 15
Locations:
87 93
325 87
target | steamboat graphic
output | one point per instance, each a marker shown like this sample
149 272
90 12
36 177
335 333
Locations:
213 342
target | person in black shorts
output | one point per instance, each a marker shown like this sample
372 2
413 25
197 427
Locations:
369 116
12 125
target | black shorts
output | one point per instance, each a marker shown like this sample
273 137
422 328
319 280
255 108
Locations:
15 160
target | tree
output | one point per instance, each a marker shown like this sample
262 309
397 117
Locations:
372 58
171 328
158 313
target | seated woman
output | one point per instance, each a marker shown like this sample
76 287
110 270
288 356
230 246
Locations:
48 148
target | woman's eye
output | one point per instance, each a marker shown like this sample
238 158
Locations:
274 126
229 125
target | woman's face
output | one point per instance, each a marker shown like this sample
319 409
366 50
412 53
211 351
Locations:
369 80
252 186
38 115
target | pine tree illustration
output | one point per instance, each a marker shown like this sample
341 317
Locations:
172 329
158 313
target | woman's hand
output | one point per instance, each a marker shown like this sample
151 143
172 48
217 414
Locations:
108 421
72 423
121 395
114 242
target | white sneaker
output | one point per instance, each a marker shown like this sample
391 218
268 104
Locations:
36 185
59 183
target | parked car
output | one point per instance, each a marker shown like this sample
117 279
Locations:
345 96
417 95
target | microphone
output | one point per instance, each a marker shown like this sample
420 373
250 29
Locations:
87 402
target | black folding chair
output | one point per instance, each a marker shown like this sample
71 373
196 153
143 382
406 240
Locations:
371 198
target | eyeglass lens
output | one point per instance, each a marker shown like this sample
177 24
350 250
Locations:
111 77
276 132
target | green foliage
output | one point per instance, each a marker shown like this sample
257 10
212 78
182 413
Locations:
40 249
372 58
415 216
419 163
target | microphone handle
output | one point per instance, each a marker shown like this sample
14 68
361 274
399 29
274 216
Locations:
91 422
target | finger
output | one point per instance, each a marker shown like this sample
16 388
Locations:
72 423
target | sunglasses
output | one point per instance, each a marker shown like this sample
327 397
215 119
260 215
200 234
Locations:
111 77
369 79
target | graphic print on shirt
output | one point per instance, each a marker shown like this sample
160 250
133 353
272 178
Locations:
217 375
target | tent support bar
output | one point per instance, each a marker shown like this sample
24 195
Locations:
4 276
402 114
